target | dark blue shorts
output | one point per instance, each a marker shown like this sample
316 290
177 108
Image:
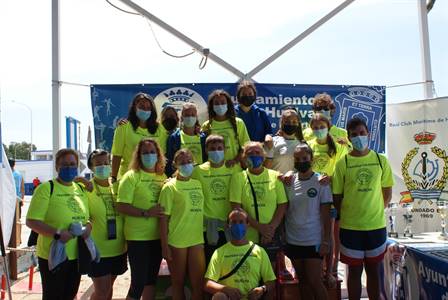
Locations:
358 247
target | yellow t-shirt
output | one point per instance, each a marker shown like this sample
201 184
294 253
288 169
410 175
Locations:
183 202
215 185
193 143
126 139
140 189
102 208
361 180
269 191
225 129
67 204
336 132
255 268
322 162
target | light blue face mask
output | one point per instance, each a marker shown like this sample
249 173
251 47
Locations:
216 157
189 121
102 172
360 142
143 115
326 113
149 160
186 170
321 133
220 110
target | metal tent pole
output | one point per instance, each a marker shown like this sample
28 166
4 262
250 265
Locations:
300 37
55 73
184 38
425 51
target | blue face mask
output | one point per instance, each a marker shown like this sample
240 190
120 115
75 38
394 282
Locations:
143 115
186 170
321 133
360 142
237 231
220 110
216 157
102 172
326 113
67 174
189 121
255 161
149 160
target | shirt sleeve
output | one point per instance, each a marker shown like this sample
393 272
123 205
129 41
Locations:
39 203
126 188
387 178
236 190
243 136
119 140
214 268
280 191
267 274
338 179
166 198
267 123
325 196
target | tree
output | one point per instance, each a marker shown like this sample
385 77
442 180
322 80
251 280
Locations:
6 150
19 150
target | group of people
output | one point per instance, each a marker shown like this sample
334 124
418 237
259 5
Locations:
218 201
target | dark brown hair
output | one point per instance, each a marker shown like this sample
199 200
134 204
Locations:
290 111
330 142
152 124
66 151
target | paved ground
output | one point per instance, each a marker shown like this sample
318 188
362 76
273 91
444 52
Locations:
20 287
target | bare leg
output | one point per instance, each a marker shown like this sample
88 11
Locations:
102 288
178 269
373 280
304 289
337 246
329 259
313 272
196 270
354 282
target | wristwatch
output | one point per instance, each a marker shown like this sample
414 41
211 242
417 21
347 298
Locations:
57 235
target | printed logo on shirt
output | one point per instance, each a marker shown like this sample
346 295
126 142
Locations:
243 272
195 197
312 192
155 189
363 178
320 162
218 186
73 205
259 192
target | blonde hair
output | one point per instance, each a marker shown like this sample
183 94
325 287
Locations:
250 145
136 162
180 152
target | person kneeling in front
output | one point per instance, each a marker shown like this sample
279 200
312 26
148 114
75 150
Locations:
237 268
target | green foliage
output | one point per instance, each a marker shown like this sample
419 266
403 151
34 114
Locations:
19 150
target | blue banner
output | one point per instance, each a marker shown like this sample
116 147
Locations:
110 103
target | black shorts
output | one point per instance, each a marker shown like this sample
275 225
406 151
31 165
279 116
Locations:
144 259
359 246
115 266
301 252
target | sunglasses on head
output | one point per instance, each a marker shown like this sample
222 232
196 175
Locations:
317 108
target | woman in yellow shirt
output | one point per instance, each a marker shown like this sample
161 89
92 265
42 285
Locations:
182 226
138 195
107 231
56 205
222 121
141 123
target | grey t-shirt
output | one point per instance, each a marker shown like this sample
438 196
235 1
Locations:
303 224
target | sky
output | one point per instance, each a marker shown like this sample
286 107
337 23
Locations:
371 42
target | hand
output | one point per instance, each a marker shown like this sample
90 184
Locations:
287 178
87 184
166 253
268 141
324 249
265 240
230 163
123 121
232 293
256 293
324 179
87 231
65 236
156 211
266 230
342 141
